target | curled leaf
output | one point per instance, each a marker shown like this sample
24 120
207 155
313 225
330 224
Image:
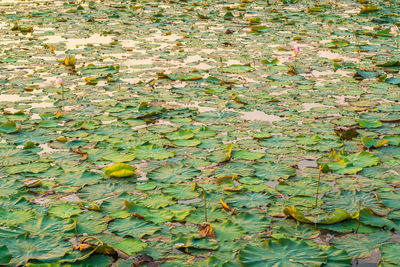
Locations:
206 230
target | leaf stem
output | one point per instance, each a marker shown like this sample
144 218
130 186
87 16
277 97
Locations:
197 187
205 204
359 210
62 97
316 193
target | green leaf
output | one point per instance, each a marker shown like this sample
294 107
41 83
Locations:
157 201
259 29
138 210
393 80
181 192
152 152
367 74
119 170
130 246
235 69
173 173
369 123
302 187
64 211
119 157
337 43
349 202
27 168
252 223
11 187
281 252
191 76
291 228
5 255
336 257
390 199
189 142
369 218
228 231
105 190
273 171
90 222
233 169
187 241
247 155
180 135
221 155
261 135
344 167
132 227
9 127
363 159
360 246
369 142
272 62
353 163
249 200
390 253
15 217
44 249
197 216
392 140
9 156
308 140
45 226
338 215
180 211
48 124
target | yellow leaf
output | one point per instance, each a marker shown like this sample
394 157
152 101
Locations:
91 81
119 170
381 143
229 152
224 205
82 247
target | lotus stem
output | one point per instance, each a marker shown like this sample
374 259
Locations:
316 193
93 237
62 97
359 211
119 81
195 188
205 204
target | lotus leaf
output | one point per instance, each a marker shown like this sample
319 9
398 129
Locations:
281 251
119 170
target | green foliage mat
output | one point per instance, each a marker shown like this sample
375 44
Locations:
205 133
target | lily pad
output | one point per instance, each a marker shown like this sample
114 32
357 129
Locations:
119 170
279 252
9 127
236 69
